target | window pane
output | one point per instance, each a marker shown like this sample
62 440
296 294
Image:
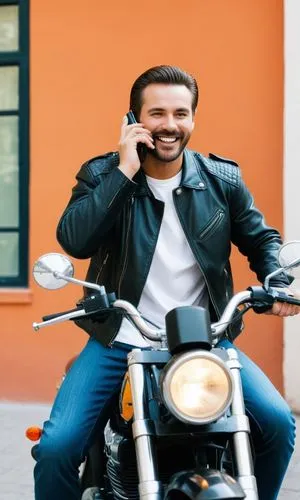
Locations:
9 243
9 80
9 172
9 28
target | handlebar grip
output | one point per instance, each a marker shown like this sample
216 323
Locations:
57 315
288 299
263 299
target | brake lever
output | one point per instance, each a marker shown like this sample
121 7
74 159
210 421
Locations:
284 297
262 300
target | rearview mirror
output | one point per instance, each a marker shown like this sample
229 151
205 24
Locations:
289 255
48 266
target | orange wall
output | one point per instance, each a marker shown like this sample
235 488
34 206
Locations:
84 57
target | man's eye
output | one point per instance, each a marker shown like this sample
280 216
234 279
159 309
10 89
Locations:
181 115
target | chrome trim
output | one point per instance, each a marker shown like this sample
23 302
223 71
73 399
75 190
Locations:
235 301
151 490
248 484
149 486
59 319
241 423
151 333
142 428
168 372
241 443
294 263
87 284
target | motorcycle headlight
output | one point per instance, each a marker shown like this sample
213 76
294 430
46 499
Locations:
197 387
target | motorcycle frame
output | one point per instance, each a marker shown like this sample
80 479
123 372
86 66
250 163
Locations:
150 488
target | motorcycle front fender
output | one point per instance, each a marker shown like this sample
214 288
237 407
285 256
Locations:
205 484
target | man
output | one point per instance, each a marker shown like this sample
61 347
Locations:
158 234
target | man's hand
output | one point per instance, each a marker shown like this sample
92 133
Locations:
284 309
131 135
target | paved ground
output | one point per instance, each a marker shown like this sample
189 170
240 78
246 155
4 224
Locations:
16 463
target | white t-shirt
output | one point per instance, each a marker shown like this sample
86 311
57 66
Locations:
174 277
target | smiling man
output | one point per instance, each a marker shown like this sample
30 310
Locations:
159 235
166 113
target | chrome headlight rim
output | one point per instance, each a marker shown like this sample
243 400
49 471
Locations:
166 377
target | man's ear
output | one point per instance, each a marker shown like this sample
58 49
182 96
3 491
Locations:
194 114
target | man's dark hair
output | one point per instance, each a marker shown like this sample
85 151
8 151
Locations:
168 75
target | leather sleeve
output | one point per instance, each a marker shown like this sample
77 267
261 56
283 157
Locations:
96 202
253 237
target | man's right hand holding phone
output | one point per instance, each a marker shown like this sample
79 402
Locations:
131 136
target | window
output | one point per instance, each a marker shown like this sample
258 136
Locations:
14 143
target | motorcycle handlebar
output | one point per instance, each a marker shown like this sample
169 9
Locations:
59 318
254 295
58 315
151 333
288 299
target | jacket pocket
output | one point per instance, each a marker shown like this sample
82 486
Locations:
212 225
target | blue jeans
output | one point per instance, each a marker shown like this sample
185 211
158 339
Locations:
80 410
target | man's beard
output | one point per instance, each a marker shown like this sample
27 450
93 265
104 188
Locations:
168 157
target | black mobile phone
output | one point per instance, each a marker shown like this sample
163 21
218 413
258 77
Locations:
141 148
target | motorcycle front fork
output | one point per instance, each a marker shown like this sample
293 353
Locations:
150 488
241 443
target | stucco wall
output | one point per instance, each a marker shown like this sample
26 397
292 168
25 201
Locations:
83 60
292 187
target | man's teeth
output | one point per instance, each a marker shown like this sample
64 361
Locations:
167 139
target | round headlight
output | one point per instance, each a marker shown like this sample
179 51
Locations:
197 387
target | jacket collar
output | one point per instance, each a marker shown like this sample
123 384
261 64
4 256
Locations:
191 176
191 172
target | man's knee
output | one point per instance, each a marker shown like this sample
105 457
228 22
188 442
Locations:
279 428
273 427
60 449
286 426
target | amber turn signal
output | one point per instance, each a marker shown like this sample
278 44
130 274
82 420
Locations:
125 402
33 433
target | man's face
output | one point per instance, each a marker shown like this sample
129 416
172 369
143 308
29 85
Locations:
167 112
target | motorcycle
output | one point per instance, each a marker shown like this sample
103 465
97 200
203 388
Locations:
178 430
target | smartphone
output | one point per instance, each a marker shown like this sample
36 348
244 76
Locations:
141 148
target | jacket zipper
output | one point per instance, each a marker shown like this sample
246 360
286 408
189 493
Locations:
227 300
216 220
102 266
124 266
226 292
126 250
113 198
227 331
195 255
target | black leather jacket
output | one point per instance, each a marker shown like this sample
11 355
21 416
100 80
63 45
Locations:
116 221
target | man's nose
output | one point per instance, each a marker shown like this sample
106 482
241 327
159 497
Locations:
170 123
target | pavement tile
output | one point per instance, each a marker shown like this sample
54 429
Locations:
289 495
16 464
